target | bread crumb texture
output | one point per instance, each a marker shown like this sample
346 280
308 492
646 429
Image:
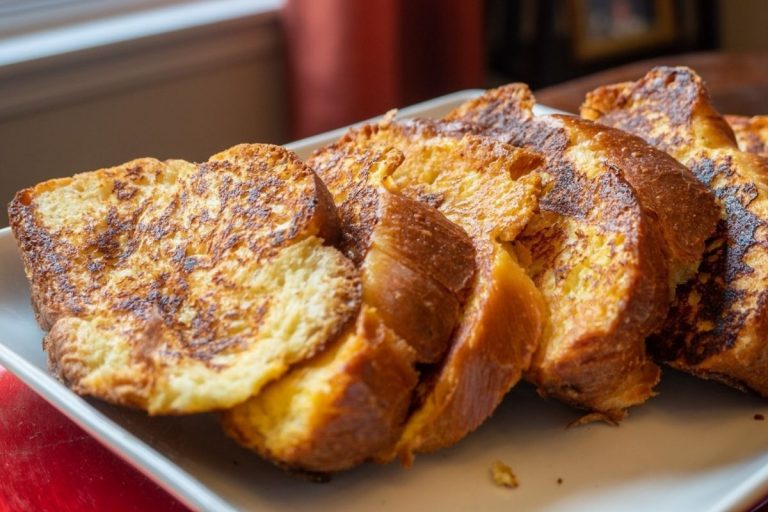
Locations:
503 476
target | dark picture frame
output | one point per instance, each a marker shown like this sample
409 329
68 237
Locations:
605 29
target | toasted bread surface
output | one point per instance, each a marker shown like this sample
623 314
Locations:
751 133
486 188
349 404
178 287
717 325
606 251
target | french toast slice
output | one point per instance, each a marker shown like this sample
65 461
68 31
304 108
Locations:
336 410
718 324
180 288
751 133
489 190
350 403
621 225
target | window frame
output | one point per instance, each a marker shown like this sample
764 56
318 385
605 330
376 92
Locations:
75 61
19 17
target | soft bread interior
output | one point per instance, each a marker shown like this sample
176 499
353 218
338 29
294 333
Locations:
751 133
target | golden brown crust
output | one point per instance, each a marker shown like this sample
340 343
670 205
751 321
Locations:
751 133
717 324
318 212
608 234
504 313
148 275
404 276
500 329
678 99
685 209
354 183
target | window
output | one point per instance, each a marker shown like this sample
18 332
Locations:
22 16
32 30
55 51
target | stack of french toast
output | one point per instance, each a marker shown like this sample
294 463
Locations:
379 299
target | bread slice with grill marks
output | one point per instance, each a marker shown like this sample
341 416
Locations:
180 288
621 225
751 133
718 325
350 403
490 190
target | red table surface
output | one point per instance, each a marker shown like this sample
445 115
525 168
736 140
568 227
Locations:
47 463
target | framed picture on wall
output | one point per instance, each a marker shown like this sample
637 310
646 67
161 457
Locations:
603 29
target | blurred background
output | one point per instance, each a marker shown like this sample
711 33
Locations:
91 83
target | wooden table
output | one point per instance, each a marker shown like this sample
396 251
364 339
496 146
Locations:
737 82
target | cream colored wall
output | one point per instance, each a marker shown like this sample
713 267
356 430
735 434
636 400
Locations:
187 117
743 25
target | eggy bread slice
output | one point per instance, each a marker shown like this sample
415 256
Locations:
490 190
621 225
179 288
751 133
718 324
350 403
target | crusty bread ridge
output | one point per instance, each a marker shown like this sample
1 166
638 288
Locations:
350 403
718 325
178 287
417 265
502 318
621 225
751 133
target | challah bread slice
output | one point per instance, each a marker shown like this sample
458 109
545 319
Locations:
751 133
718 325
338 409
179 288
350 403
621 225
486 188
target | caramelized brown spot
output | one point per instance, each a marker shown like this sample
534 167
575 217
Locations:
709 324
178 236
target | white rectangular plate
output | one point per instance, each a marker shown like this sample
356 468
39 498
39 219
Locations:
694 447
